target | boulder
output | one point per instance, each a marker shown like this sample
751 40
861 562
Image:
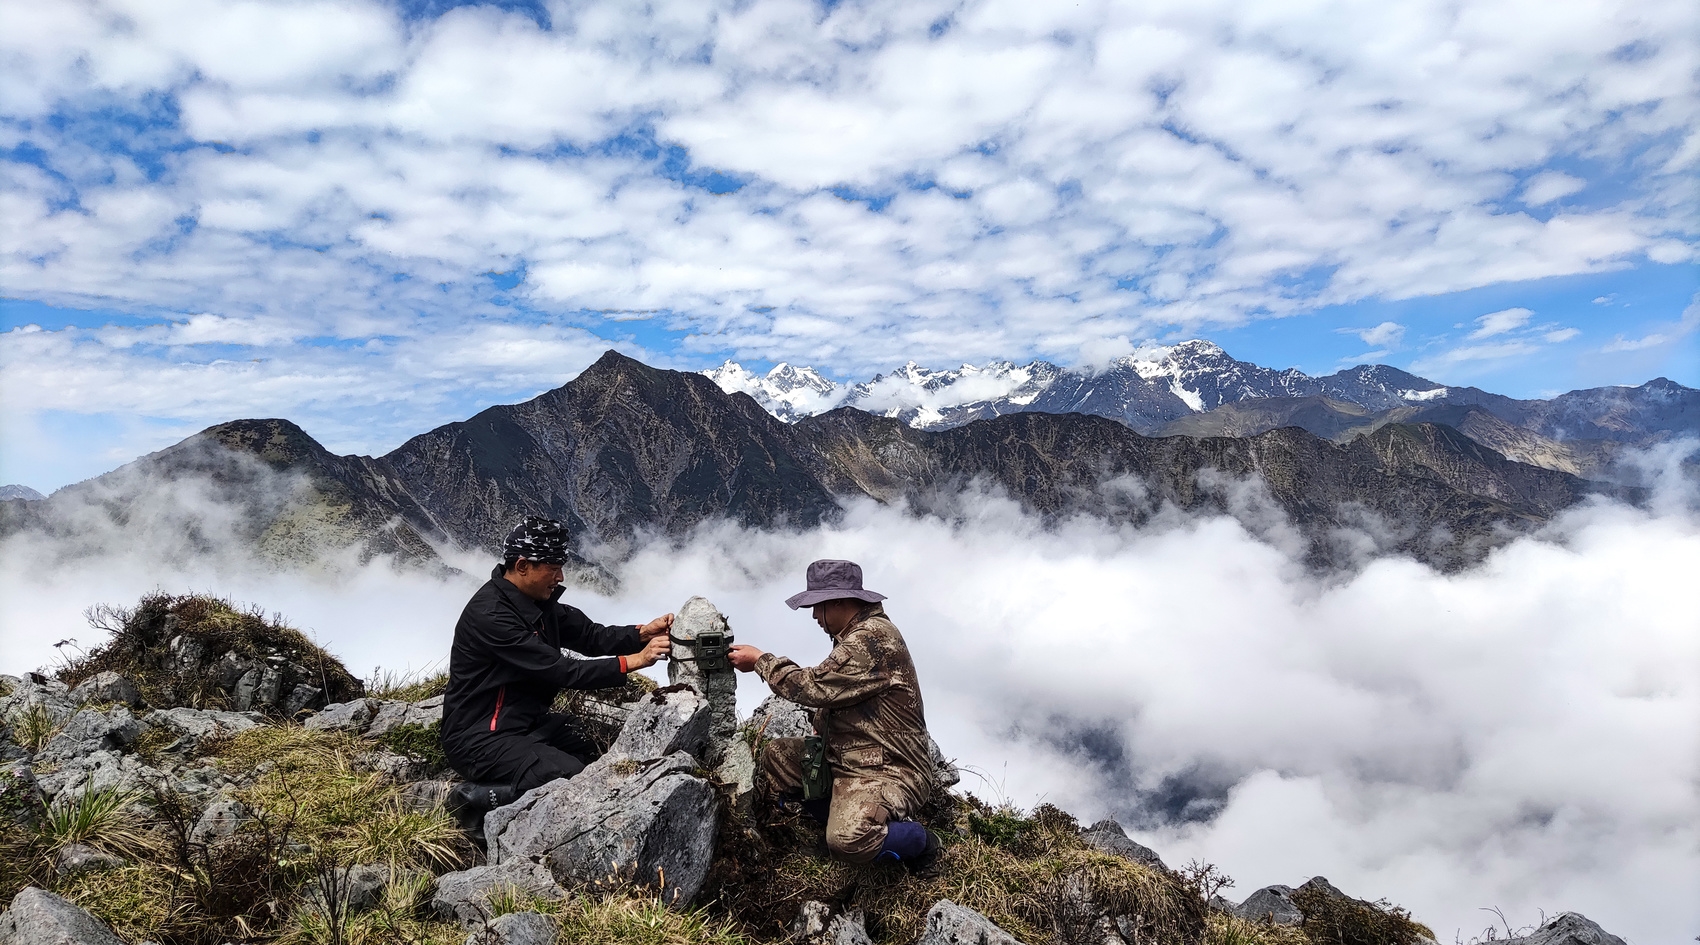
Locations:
192 726
89 731
221 819
364 884
98 771
1107 836
38 917
640 812
781 718
301 697
695 617
1322 885
516 928
107 687
466 895
951 924
945 774
817 925
82 858
392 714
1568 928
36 691
1273 904
352 716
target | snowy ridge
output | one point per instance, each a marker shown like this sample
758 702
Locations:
1146 389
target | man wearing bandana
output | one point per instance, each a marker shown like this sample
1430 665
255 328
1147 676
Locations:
506 668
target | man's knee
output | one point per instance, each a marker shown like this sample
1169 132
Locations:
855 829
548 764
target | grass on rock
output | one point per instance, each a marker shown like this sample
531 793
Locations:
140 648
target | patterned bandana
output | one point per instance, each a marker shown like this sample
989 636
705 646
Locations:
539 539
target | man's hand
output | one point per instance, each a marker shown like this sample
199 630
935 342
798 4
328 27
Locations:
657 627
653 650
743 657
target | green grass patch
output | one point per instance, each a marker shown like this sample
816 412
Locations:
419 742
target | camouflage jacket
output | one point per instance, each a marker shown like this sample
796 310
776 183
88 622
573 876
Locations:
866 693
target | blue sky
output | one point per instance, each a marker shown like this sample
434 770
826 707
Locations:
373 218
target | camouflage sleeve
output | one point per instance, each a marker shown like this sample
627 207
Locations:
847 676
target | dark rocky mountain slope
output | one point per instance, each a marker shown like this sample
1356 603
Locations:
626 449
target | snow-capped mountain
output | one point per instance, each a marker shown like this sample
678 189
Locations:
1156 386
789 393
1145 390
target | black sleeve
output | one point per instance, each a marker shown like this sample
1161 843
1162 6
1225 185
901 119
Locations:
583 635
510 641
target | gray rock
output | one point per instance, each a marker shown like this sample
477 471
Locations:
697 616
97 771
301 698
38 917
389 715
1569 928
425 796
37 692
466 895
951 924
106 687
1107 836
82 858
1322 885
221 819
639 812
737 774
352 716
945 774
516 928
92 730
654 826
1273 904
364 885
781 718
817 925
186 652
661 723
202 723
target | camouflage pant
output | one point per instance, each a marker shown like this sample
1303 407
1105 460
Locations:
861 806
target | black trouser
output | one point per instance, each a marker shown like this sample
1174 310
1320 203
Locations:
554 749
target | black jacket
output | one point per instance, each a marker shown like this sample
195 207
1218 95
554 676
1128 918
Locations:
506 665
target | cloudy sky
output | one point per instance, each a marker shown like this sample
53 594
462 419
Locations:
375 217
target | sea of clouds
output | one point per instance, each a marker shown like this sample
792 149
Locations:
1522 736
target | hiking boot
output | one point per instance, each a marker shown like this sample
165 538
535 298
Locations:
925 865
467 803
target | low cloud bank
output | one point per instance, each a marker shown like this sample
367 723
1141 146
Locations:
1525 735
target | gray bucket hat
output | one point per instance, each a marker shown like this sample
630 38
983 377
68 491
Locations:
833 580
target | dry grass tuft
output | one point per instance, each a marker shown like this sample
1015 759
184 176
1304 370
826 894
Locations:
103 819
406 687
1223 929
355 817
1039 882
1330 920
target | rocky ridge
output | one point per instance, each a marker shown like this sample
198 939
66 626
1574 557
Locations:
626 450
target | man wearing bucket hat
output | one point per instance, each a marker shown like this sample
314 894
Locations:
868 711
506 667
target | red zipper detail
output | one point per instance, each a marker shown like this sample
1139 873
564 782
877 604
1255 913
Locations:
498 713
